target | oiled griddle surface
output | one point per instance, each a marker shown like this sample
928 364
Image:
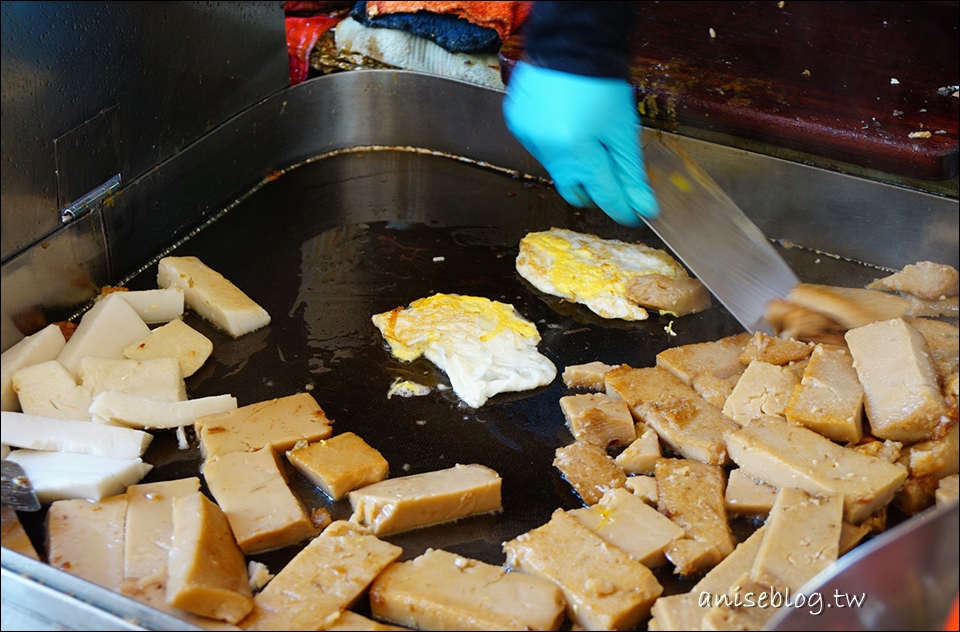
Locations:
330 243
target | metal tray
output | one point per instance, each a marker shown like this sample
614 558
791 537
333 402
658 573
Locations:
331 216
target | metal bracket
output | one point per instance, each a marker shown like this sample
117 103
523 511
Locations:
83 205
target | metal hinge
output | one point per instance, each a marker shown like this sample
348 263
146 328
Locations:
83 205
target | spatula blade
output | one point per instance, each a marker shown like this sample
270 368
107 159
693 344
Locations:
709 233
17 492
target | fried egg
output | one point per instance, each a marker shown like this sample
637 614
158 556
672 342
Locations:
485 347
587 269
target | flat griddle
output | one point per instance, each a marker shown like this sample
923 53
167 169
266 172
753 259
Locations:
325 245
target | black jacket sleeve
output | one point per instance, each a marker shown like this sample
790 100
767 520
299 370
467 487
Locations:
584 38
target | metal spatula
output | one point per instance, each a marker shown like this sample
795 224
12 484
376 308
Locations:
713 237
17 492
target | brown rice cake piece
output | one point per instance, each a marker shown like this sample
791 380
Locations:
604 588
737 612
719 358
790 320
176 339
149 525
251 489
589 470
948 490
745 496
829 398
943 340
644 487
924 279
207 571
420 500
599 419
340 464
322 580
714 389
850 536
439 590
85 538
683 420
624 520
778 453
851 307
677 612
589 375
802 539
774 350
13 536
724 576
763 389
677 295
280 423
901 391
152 591
640 457
691 495
889 451
349 620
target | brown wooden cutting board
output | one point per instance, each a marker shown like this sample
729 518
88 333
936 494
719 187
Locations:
848 81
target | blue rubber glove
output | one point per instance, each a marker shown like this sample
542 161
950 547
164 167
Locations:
585 131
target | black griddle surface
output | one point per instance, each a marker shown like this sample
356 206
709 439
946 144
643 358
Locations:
330 243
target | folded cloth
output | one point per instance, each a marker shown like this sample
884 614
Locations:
503 17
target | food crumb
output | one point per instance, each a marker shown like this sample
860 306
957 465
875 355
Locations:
805 73
923 134
780 4
669 329
713 34
439 259
894 82
405 467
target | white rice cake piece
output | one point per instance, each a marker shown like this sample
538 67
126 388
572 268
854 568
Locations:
322 580
763 389
439 590
589 470
279 423
177 340
154 306
251 489
13 536
624 520
589 375
43 346
778 453
149 525
802 539
85 538
605 589
62 475
745 496
104 331
207 570
599 419
682 419
691 494
212 296
420 500
902 395
139 412
640 457
159 379
644 488
70 435
829 398
49 389
719 358
340 464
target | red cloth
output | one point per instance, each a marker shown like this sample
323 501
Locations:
302 36
504 17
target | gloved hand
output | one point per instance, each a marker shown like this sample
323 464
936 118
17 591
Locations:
585 131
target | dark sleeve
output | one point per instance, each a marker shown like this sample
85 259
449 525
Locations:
584 38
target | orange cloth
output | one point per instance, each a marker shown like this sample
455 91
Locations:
503 17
